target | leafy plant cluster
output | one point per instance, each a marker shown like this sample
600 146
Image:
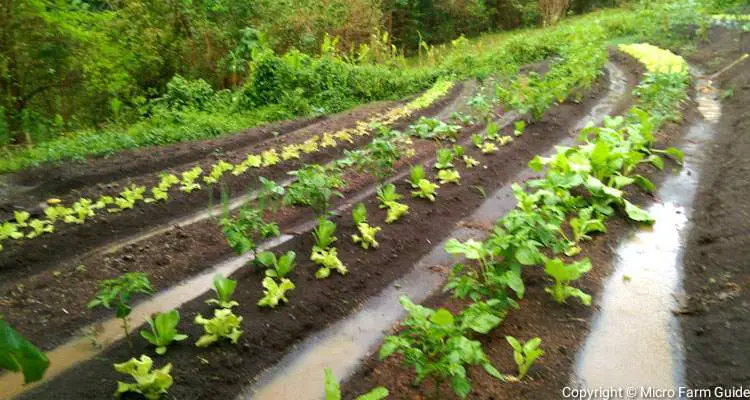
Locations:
582 187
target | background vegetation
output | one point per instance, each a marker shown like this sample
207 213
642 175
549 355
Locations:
81 77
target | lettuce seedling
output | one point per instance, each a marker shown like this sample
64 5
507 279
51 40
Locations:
328 260
416 174
21 218
366 237
9 230
19 355
344 135
395 211
477 140
80 210
310 145
39 227
492 130
275 292
458 150
252 161
188 179
327 140
488 147
444 159
291 151
224 288
449 176
224 324
217 170
277 268
470 161
163 330
387 193
563 275
426 190
323 234
117 292
435 344
525 354
586 223
519 127
128 198
503 140
388 199
152 385
269 157
55 213
333 390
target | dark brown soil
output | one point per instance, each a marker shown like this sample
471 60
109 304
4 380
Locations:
50 180
221 371
716 319
20 258
562 328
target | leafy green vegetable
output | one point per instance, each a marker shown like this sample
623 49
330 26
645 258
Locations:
277 268
314 187
387 193
333 390
470 161
435 345
323 234
519 127
153 385
525 354
188 179
163 330
19 355
395 211
488 147
563 275
217 170
449 176
444 159
274 292
117 292
416 175
426 190
224 288
224 324
328 260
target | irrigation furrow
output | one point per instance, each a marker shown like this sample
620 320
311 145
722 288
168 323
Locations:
344 345
635 339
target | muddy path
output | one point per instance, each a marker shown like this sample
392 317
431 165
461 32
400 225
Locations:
26 257
315 304
562 328
715 317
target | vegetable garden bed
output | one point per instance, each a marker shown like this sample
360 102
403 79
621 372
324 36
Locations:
314 304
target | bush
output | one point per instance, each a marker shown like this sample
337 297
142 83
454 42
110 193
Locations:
183 93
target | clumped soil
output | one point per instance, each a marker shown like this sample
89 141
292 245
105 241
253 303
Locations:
715 320
562 328
223 370
24 257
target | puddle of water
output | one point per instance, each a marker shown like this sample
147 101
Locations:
635 340
344 345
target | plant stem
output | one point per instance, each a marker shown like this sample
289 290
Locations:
127 332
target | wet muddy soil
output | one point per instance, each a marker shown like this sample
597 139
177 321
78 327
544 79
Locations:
562 328
715 318
223 370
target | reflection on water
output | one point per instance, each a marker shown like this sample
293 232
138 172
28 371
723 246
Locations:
635 340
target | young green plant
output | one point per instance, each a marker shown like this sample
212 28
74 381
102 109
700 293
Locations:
117 292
